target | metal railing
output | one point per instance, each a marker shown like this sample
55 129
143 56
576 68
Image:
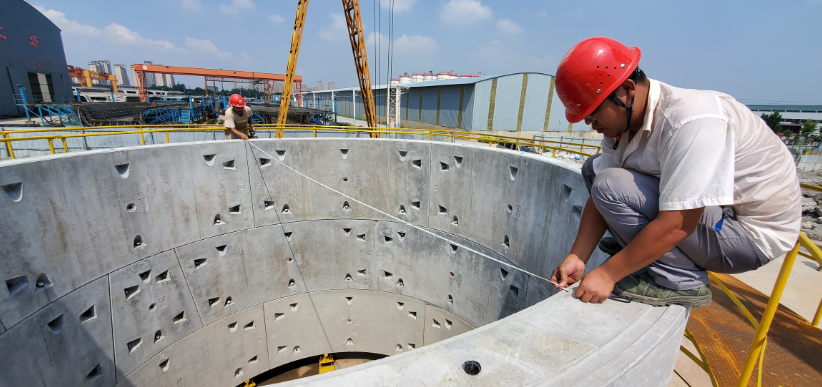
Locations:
756 355
9 137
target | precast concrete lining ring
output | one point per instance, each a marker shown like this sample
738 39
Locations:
205 264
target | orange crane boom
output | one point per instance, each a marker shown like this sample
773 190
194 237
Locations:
355 34
141 69
296 38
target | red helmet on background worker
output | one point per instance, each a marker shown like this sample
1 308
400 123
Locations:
236 100
590 71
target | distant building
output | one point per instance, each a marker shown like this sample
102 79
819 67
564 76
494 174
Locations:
518 102
31 58
100 66
330 85
151 79
121 73
793 116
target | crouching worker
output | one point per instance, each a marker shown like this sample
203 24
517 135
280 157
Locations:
238 123
688 181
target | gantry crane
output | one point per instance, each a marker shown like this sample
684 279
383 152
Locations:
85 76
357 38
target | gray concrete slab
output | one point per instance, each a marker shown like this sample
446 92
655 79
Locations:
302 273
524 350
152 308
67 343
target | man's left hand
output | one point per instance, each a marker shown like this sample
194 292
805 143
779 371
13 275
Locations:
596 286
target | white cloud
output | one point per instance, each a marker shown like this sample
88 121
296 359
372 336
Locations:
462 12
543 13
375 37
276 18
415 45
114 33
404 45
508 27
337 30
68 26
192 5
207 47
237 6
122 35
247 58
399 5
497 55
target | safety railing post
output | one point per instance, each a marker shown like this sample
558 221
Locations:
315 132
51 144
767 316
167 142
817 316
65 144
8 146
142 139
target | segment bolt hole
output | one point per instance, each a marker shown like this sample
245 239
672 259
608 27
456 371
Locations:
471 367
131 207
152 307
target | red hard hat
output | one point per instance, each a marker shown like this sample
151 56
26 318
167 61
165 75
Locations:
236 100
590 71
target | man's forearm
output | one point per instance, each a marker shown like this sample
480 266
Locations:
236 132
592 227
658 237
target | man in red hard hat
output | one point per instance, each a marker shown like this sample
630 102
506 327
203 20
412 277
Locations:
238 123
688 181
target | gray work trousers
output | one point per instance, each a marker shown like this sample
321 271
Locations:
629 200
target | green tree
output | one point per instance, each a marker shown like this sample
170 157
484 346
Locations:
774 121
809 127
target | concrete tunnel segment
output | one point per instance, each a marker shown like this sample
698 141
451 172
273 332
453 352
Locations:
178 265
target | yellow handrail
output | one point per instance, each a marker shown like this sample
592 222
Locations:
183 128
314 128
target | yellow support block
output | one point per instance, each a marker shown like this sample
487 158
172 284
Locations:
326 363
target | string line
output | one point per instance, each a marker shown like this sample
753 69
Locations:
405 222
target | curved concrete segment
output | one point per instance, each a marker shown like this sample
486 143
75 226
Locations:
205 264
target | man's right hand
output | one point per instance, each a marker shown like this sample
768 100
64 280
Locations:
568 272
243 136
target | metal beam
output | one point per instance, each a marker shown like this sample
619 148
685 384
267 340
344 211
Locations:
355 34
296 38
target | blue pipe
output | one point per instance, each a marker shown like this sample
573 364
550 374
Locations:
23 96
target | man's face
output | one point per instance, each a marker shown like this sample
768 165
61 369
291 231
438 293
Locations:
608 119
238 110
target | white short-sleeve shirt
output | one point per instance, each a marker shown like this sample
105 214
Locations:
707 149
236 121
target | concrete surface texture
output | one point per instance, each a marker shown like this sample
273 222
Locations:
205 264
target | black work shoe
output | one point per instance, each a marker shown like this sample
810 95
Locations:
609 245
642 288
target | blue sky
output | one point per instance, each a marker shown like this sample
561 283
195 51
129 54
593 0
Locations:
757 51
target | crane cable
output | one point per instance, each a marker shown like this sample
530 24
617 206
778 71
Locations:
397 219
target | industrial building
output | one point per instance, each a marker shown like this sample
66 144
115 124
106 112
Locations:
793 116
509 103
31 58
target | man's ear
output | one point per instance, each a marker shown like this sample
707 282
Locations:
628 87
